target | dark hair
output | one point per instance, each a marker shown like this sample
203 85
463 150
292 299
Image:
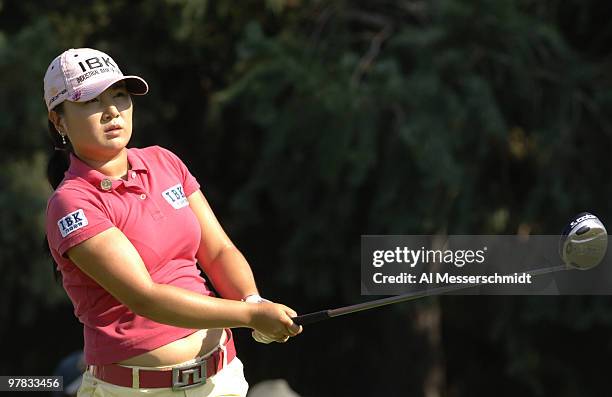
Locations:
59 161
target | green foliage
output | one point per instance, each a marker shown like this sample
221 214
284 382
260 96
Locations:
311 123
27 286
471 120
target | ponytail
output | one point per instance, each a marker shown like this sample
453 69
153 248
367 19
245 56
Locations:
57 166
59 160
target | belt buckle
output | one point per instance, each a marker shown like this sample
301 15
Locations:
180 376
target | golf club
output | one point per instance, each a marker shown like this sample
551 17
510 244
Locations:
583 245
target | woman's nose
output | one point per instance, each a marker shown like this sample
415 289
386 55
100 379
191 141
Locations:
110 112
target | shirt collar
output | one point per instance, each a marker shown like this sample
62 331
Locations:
81 169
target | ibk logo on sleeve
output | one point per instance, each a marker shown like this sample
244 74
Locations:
71 222
175 196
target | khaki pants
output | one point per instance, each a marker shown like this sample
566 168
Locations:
227 382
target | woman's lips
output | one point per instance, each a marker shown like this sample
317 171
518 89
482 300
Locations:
113 132
112 128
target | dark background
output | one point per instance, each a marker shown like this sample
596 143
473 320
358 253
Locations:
310 123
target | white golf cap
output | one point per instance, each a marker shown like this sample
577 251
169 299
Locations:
81 74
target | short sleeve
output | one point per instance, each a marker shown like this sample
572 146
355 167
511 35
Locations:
73 217
189 182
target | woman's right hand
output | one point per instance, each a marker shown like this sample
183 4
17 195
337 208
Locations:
274 321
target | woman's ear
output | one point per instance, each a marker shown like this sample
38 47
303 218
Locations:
58 121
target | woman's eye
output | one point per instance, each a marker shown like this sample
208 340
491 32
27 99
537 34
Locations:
92 100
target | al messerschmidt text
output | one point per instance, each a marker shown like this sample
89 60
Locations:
445 278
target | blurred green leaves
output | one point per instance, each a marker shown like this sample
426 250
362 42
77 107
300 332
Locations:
27 285
311 123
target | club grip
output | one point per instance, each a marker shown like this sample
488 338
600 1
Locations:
311 317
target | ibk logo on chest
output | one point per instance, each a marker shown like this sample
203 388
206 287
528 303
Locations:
71 222
175 196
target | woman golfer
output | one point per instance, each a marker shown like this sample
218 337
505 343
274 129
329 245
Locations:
126 227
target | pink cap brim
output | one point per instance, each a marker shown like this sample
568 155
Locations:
134 84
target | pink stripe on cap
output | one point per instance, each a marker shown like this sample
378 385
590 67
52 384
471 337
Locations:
81 74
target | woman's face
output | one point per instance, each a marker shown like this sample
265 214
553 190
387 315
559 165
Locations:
102 127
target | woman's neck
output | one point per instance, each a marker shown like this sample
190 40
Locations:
115 167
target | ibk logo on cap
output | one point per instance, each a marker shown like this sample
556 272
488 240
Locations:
71 222
97 62
95 66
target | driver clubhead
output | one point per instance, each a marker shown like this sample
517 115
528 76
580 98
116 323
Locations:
584 242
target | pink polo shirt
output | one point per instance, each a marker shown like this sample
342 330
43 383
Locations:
152 210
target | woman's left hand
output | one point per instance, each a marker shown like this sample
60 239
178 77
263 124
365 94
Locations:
260 336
